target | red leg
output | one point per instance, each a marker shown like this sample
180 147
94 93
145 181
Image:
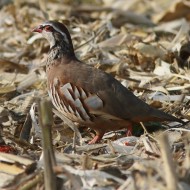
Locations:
129 131
96 139
128 134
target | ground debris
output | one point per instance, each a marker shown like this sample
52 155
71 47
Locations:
144 45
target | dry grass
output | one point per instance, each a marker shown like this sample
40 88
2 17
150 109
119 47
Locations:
149 55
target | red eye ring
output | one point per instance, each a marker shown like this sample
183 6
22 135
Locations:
48 28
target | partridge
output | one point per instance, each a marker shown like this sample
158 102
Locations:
87 95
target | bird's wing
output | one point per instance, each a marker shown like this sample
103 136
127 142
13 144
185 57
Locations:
85 103
105 96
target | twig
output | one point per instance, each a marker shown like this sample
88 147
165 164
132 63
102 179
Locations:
142 125
168 164
112 149
46 122
92 38
25 132
146 132
177 129
72 126
32 182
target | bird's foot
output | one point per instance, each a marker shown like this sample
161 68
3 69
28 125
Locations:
96 139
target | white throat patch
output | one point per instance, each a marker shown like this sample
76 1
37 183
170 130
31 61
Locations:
49 36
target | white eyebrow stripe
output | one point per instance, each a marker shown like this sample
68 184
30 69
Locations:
56 29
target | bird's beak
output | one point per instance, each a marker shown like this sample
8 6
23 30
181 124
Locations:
38 29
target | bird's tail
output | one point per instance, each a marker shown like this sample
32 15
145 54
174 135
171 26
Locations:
162 116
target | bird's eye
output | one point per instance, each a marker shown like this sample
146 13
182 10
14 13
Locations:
48 28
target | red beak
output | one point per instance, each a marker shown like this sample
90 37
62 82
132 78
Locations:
38 29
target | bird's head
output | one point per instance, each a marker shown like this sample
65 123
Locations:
57 35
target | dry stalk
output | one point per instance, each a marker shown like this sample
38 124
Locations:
77 136
111 148
144 128
46 122
32 182
168 164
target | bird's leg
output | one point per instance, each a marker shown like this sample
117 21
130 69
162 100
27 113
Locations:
97 138
129 133
129 130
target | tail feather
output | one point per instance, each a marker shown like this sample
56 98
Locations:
162 116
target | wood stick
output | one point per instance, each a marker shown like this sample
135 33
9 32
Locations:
46 122
168 164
